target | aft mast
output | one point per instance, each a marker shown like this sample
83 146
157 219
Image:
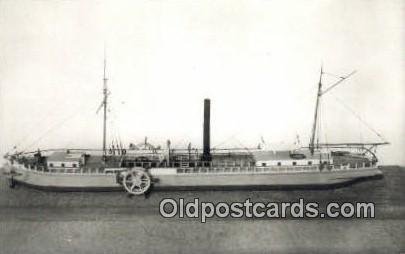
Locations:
318 97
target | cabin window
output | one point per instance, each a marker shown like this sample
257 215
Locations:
62 165
74 165
131 164
278 163
294 163
310 163
51 164
263 164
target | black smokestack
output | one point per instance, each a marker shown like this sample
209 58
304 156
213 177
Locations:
206 134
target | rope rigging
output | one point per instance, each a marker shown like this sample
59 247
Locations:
317 127
359 118
54 127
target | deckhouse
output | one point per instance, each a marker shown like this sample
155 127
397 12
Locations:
65 160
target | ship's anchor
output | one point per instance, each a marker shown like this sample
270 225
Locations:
136 181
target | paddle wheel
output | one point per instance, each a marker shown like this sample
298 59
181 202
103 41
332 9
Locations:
136 181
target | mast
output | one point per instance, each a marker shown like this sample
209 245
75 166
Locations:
318 96
105 93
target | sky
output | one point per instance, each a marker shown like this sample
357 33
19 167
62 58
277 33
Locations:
258 61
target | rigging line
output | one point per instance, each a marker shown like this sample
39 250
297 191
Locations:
332 75
117 137
243 146
359 118
29 131
53 128
25 138
181 143
323 122
322 130
114 119
338 82
324 126
118 140
225 141
360 134
47 132
319 127
115 133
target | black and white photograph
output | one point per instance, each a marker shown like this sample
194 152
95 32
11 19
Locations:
226 126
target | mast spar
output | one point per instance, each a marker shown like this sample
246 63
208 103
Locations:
318 96
105 93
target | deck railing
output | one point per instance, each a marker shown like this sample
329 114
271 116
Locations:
247 170
201 168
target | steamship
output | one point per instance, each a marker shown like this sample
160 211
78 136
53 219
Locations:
143 167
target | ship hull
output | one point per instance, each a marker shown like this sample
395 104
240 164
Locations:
108 182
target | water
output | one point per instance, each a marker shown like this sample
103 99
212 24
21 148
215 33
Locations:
34 221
